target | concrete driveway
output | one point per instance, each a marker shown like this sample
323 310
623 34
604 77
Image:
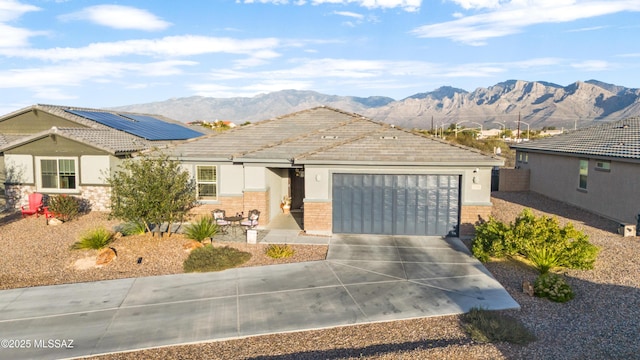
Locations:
364 279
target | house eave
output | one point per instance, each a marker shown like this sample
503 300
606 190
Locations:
580 155
402 163
262 161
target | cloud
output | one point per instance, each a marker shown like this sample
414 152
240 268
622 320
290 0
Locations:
78 73
248 90
406 5
591 65
349 14
365 74
11 10
171 46
15 36
52 94
119 17
478 4
592 28
513 16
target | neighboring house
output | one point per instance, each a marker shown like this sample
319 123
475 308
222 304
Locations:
595 168
66 150
489 133
346 173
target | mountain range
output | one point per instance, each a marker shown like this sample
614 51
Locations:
536 103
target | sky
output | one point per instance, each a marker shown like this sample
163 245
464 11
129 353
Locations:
113 53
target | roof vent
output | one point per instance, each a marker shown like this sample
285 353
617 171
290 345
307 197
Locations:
329 137
388 137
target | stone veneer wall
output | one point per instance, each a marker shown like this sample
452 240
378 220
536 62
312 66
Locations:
318 217
98 198
514 180
18 195
470 215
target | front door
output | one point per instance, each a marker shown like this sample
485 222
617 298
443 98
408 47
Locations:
297 189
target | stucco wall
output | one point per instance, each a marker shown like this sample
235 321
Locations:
475 192
475 184
277 183
613 194
33 122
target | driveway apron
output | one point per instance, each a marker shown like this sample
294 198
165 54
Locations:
365 279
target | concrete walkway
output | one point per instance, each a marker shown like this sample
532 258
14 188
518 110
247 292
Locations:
364 279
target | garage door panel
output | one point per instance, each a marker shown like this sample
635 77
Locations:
395 204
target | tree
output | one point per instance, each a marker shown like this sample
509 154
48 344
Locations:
152 191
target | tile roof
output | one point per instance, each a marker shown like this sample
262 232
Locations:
326 135
617 139
91 133
115 143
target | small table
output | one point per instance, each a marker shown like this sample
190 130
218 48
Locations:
235 222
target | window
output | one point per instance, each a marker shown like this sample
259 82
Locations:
603 165
584 171
206 182
523 157
58 174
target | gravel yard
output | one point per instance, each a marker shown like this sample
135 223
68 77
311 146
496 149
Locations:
600 323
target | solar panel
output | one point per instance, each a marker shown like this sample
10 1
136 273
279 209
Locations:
143 126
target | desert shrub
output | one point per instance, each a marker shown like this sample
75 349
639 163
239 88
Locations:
64 207
133 228
96 239
205 227
545 256
209 258
579 253
553 287
279 251
491 240
541 240
548 245
486 326
151 188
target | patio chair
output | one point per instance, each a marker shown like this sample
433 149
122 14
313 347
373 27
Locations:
34 207
218 217
252 220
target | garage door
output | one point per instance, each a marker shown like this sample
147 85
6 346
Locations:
396 204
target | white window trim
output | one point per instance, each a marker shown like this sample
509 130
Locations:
207 182
603 165
523 157
57 190
586 183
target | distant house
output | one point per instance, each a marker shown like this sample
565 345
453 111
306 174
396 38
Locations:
595 168
66 150
489 133
345 174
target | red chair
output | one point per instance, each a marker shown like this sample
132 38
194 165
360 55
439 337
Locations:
34 207
47 214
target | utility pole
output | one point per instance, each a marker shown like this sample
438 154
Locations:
518 133
431 123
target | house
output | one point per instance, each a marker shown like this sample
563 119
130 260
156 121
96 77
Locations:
67 150
489 133
344 172
595 168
